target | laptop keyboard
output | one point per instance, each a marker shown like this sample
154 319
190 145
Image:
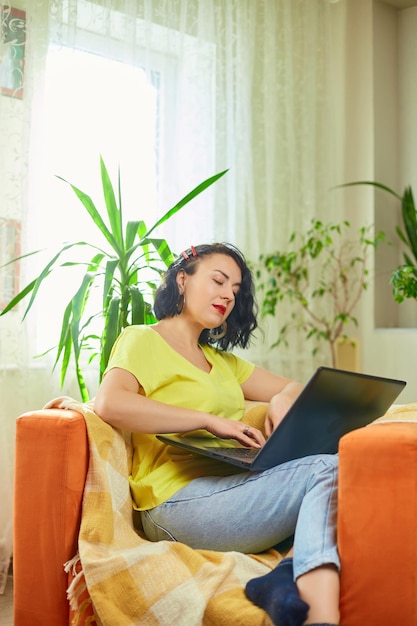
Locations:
240 453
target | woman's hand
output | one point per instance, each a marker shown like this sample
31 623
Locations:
280 392
230 429
278 407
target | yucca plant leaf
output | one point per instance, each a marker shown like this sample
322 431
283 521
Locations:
86 323
186 199
133 229
66 358
95 262
149 316
410 219
156 256
138 306
401 235
133 275
23 256
65 336
408 260
44 273
18 298
81 382
36 283
162 248
113 211
146 250
373 184
94 214
141 229
78 304
111 267
110 333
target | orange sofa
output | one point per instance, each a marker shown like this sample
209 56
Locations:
377 526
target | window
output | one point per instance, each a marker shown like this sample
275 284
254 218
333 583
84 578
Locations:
156 127
99 106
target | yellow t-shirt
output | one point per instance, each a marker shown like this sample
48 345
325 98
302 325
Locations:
159 470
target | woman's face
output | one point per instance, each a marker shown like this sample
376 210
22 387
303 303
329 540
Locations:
210 292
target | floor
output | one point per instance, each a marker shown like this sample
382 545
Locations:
6 604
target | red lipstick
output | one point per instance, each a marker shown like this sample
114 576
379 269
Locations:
220 307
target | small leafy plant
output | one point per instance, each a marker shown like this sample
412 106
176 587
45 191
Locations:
126 268
404 277
322 276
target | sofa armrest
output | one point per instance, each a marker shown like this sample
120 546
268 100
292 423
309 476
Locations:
50 470
377 525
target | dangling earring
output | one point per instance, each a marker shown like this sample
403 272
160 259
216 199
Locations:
220 334
180 304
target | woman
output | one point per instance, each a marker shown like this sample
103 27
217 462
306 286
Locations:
178 376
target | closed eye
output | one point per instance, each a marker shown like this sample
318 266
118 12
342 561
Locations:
221 282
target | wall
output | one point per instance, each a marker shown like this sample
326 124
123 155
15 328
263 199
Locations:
381 65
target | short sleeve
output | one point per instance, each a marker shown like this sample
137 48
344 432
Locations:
134 351
241 368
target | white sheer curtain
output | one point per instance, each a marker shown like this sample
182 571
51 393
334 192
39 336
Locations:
241 84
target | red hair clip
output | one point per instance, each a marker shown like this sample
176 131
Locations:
185 255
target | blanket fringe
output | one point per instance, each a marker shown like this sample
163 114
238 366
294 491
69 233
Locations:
72 564
78 585
75 590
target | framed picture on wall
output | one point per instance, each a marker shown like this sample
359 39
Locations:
12 50
9 249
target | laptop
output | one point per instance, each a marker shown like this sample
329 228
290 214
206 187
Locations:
332 403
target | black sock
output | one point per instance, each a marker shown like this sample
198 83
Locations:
277 594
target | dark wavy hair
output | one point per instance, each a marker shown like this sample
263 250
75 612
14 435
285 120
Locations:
242 320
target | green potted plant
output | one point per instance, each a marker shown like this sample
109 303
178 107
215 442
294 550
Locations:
404 277
322 276
126 268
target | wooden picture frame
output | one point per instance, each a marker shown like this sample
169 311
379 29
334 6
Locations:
12 50
9 249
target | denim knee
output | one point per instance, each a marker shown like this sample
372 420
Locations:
153 530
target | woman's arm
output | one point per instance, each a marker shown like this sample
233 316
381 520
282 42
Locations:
280 392
119 403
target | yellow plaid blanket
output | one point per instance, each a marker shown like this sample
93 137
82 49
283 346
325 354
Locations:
134 581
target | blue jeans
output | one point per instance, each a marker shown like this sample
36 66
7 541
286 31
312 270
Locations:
253 511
